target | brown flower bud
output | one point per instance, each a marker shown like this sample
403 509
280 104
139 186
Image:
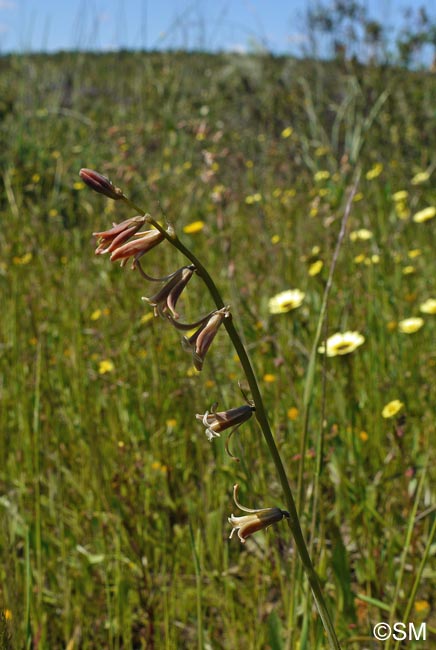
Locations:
100 184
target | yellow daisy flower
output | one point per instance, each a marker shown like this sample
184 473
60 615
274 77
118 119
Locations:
285 301
374 172
420 177
315 268
105 366
428 307
421 606
363 234
425 214
194 227
401 195
410 325
341 343
392 408
293 413
322 175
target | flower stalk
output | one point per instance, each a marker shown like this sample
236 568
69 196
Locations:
261 416
200 343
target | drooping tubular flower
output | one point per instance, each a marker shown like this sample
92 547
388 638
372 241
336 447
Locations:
137 247
256 520
200 342
109 240
100 184
165 300
215 421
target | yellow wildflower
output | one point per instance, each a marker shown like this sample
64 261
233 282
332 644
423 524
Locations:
194 227
425 214
420 177
268 378
275 239
96 314
415 252
363 234
428 307
23 260
374 172
401 195
408 270
315 268
293 413
341 343
363 436
105 366
322 175
421 606
147 318
410 325
402 211
286 301
286 133
392 408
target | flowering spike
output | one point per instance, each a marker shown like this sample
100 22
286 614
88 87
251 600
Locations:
100 184
256 520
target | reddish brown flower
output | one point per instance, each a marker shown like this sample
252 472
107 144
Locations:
137 247
109 240
256 520
165 300
200 342
215 421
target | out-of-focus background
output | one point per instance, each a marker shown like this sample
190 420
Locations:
245 123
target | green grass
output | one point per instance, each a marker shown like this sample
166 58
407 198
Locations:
113 504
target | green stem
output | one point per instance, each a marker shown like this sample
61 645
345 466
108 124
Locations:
261 416
310 374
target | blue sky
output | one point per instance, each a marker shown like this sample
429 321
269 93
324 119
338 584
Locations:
51 25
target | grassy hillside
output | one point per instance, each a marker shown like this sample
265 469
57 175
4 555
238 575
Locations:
113 503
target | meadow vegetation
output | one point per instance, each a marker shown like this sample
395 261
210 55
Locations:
113 503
